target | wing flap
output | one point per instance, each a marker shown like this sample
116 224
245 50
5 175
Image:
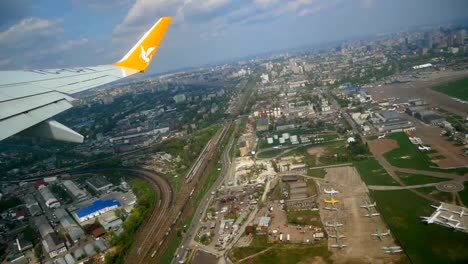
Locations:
20 122
24 104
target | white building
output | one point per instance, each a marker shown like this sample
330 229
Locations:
77 192
49 198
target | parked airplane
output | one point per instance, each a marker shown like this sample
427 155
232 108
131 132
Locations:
332 208
337 237
461 213
340 246
448 219
440 207
30 98
371 215
382 136
392 250
368 206
334 225
331 191
432 219
332 201
424 148
456 226
380 235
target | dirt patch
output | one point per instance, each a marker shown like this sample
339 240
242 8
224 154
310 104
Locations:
313 260
317 152
357 229
448 155
383 145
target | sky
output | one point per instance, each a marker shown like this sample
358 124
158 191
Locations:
50 34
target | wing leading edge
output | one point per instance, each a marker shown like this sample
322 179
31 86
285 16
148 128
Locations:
28 99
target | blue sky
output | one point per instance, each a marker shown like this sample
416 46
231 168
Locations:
44 34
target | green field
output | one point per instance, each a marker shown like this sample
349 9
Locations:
269 153
294 253
413 179
372 173
445 197
422 243
318 173
280 253
407 155
464 194
458 89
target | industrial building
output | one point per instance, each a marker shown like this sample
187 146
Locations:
97 208
32 205
99 184
52 244
75 191
49 198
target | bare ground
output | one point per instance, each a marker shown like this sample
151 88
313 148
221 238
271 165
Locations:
383 145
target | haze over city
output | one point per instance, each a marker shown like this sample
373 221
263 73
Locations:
41 34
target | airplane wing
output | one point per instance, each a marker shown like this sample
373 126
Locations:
28 99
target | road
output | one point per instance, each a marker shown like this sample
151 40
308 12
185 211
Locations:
188 242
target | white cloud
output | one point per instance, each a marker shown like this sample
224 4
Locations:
366 3
38 43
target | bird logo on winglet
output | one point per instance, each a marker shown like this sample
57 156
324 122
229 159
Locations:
146 55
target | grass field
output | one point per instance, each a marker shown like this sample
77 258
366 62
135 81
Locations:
445 197
407 155
464 194
294 253
318 173
280 253
269 153
413 179
458 89
423 243
372 173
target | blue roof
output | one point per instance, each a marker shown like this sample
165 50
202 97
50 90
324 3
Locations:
96 206
351 89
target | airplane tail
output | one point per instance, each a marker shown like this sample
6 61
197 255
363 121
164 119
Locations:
141 55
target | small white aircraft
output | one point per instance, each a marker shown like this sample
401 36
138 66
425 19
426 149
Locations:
450 219
332 208
432 219
382 136
461 213
440 207
392 250
380 235
424 148
371 215
340 246
456 226
331 191
368 206
334 225
337 237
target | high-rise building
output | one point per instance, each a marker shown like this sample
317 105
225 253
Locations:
461 37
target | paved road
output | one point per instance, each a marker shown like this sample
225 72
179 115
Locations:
391 188
188 242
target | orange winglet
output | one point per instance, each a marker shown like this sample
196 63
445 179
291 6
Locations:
141 55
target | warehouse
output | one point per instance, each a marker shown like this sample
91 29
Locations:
99 184
75 191
49 198
97 208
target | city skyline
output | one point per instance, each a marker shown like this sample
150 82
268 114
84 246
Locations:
86 32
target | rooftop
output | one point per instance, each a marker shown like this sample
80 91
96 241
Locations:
98 182
96 206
